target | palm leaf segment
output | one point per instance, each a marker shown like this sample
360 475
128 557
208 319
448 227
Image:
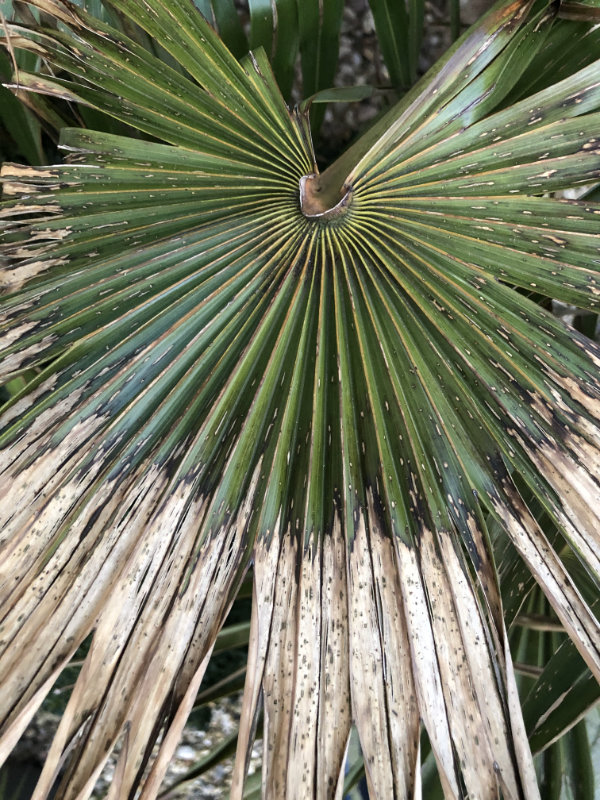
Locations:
343 396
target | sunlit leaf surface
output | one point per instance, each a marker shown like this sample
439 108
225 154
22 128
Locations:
339 377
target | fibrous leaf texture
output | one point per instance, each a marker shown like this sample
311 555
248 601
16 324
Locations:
340 379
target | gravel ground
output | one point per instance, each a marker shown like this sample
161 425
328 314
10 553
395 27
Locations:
361 63
194 745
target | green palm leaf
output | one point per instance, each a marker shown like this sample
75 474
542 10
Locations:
339 377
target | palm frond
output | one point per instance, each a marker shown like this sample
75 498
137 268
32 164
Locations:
339 377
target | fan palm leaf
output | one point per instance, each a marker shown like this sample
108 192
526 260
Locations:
338 378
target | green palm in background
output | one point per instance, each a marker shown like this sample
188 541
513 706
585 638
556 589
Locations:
340 379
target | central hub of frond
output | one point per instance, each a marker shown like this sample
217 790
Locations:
316 202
